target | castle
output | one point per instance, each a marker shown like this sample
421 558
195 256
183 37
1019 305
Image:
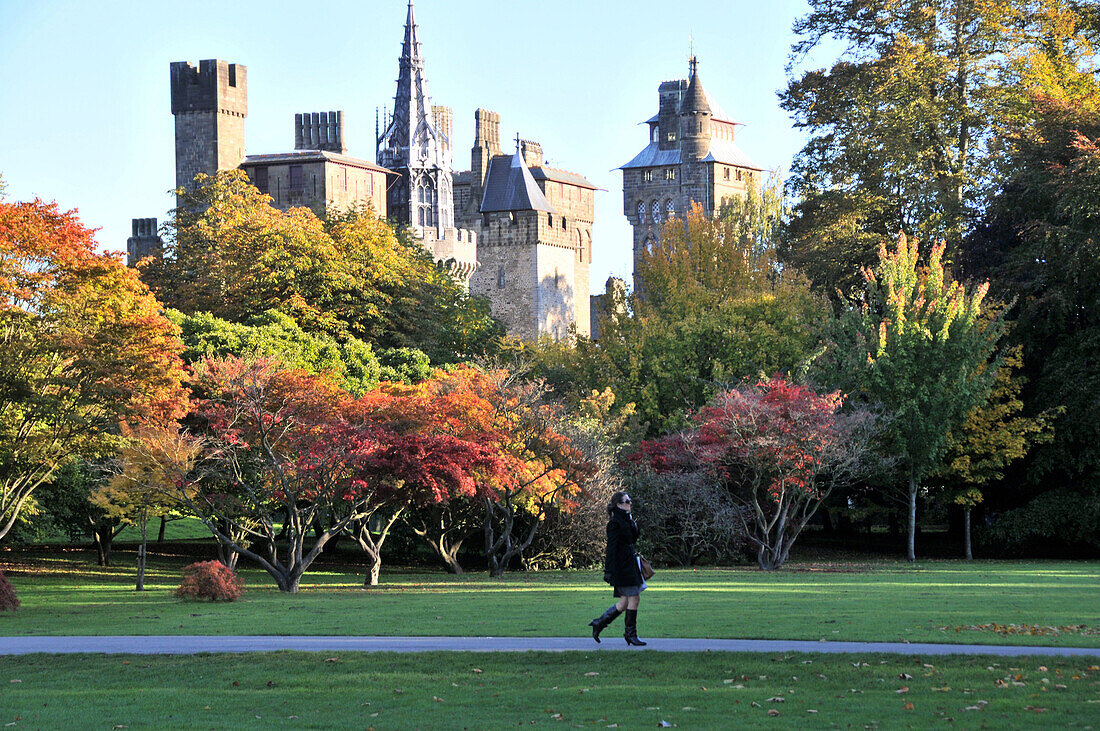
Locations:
511 228
691 158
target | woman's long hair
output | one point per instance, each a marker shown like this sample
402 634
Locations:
615 500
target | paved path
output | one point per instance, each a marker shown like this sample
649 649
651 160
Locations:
188 645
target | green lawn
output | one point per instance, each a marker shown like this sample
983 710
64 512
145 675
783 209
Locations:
931 601
471 690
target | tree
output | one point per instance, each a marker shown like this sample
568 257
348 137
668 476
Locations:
83 347
1039 243
536 467
993 436
915 343
906 127
712 307
769 445
230 253
156 462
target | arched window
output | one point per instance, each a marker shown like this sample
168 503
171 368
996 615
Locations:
641 212
670 209
500 278
656 208
648 245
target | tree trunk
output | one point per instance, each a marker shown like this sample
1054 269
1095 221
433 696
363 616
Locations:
144 521
966 533
163 525
912 542
104 536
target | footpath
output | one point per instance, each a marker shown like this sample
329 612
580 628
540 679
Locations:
194 644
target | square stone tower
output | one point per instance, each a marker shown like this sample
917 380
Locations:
210 105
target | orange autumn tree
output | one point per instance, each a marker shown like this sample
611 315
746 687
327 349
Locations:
83 347
517 421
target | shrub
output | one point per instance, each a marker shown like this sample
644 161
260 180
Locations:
211 580
8 600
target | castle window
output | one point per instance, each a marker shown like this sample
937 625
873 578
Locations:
260 178
563 222
485 220
296 179
738 174
550 220
656 208
647 175
670 174
512 218
500 278
725 173
671 137
670 209
232 74
641 213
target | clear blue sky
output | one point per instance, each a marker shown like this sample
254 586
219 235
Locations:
84 100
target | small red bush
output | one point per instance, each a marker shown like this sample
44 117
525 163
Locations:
211 580
8 600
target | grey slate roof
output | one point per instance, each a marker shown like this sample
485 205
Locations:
723 151
562 176
300 156
509 186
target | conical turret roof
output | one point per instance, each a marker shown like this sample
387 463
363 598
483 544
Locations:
695 99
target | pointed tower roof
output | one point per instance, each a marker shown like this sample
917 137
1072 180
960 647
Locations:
695 100
411 127
509 186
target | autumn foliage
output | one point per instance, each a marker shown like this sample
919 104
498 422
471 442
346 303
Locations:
83 346
770 445
9 602
211 580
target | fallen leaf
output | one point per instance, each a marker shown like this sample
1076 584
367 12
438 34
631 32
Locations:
777 699
664 724
905 676
590 675
811 710
332 659
754 704
908 706
1036 709
476 670
902 689
16 680
773 712
944 689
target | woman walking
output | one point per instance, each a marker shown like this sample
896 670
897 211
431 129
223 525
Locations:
621 570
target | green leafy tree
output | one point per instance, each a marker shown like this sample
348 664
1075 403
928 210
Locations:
230 253
275 334
906 125
712 307
915 343
994 435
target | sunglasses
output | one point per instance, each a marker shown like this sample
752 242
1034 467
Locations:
625 500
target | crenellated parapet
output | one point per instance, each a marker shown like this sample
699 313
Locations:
320 131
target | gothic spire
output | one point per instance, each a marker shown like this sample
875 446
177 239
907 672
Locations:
413 146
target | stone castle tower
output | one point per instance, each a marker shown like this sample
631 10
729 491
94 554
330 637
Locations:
534 226
416 145
210 105
691 158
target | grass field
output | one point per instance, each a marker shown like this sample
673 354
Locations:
476 691
940 601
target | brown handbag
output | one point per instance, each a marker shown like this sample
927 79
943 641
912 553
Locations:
647 570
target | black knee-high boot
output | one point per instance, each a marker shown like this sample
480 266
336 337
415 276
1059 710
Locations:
599 624
630 633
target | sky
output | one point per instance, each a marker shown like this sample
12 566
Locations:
85 116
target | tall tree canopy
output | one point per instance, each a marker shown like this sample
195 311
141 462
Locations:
83 346
1041 242
231 253
906 126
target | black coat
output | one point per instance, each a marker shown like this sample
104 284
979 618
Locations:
620 565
